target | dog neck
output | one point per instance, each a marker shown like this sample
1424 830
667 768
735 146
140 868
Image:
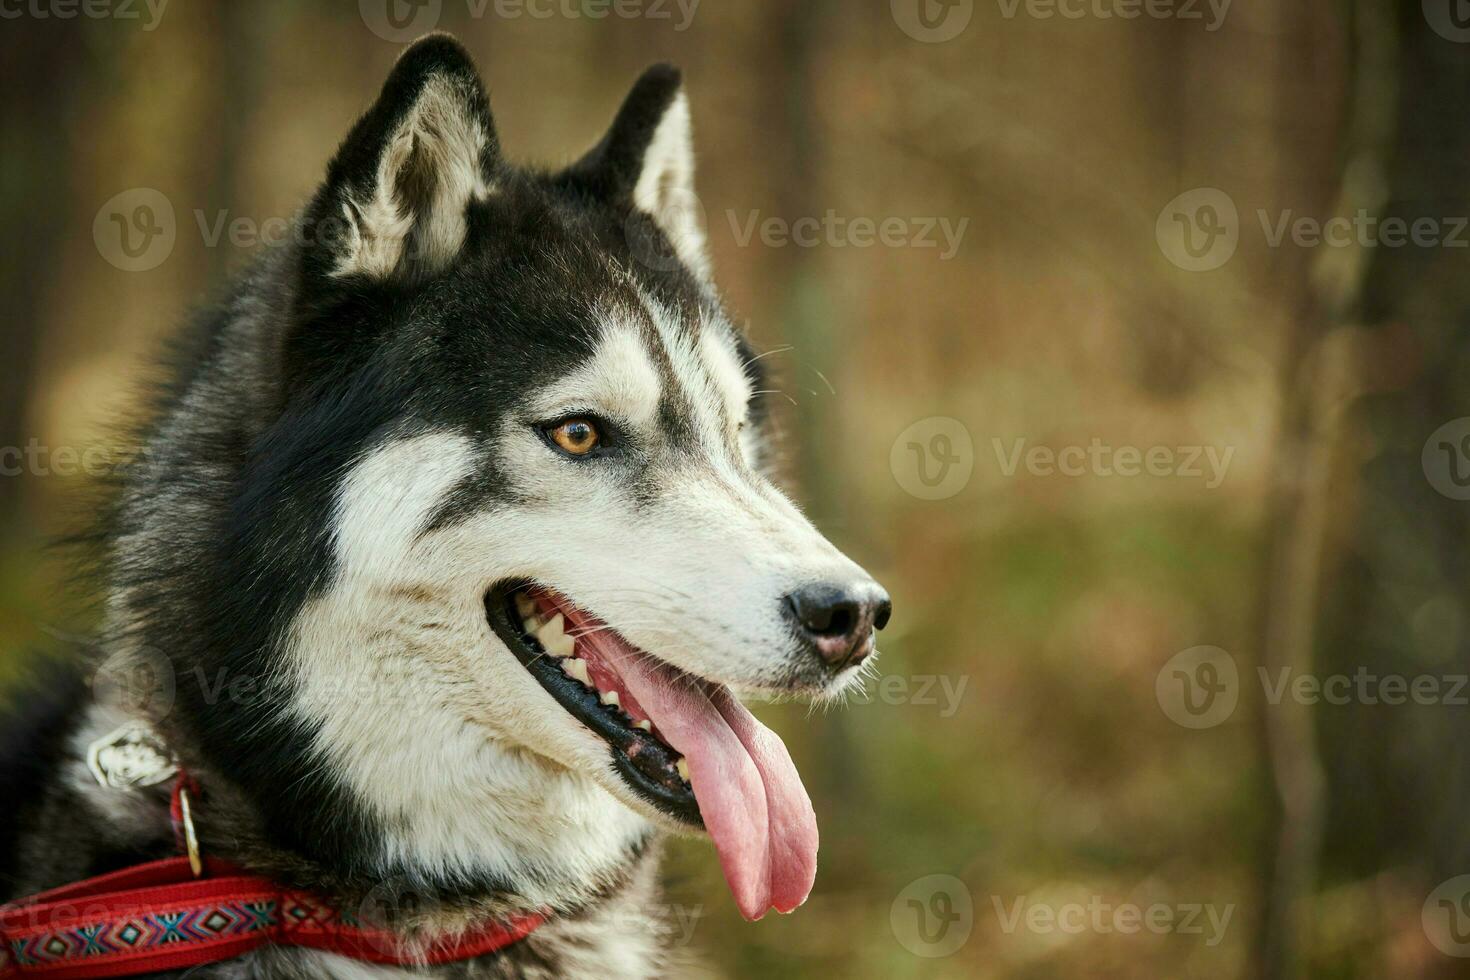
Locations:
84 826
476 830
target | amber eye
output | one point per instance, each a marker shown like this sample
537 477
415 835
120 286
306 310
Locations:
578 436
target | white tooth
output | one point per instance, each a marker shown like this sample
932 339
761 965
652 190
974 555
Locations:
610 697
552 627
577 667
525 605
645 724
683 766
554 640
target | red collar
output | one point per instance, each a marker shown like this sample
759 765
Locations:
158 916
166 915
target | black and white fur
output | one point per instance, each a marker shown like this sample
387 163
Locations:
347 460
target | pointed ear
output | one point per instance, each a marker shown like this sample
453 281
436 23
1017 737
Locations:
395 199
647 160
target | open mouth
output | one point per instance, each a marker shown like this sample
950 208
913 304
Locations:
533 623
682 743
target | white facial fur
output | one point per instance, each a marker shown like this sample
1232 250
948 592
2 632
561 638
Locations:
419 705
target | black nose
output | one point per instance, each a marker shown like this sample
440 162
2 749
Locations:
838 620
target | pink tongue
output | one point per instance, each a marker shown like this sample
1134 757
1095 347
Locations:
747 787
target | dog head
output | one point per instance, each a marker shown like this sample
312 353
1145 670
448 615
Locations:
544 549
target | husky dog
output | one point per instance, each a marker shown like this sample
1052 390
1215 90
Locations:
449 544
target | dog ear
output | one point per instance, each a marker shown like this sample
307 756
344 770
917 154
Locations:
646 160
396 194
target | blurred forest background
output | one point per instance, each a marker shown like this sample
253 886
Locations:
1026 741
